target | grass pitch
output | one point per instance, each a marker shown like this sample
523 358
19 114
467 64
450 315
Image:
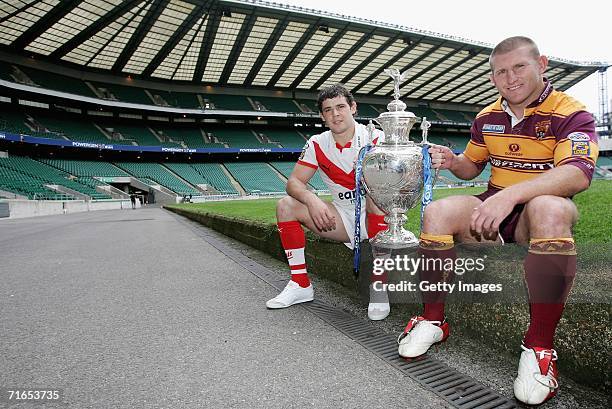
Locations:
594 205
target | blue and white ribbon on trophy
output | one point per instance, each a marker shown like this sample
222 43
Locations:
358 167
428 175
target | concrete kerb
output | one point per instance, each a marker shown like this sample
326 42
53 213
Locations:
582 339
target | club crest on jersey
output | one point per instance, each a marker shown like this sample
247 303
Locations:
493 128
581 148
541 129
579 137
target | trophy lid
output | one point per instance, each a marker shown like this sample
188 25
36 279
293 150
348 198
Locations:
397 122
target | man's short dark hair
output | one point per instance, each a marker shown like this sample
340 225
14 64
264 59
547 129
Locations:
333 91
511 44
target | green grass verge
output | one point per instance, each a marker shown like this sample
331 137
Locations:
594 205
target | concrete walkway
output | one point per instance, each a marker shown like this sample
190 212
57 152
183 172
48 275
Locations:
132 309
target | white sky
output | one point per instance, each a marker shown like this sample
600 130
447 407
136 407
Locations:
579 30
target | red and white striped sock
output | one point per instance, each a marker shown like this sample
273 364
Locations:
293 241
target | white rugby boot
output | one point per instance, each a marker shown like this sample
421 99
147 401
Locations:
293 293
419 335
537 375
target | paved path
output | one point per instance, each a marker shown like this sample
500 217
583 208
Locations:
132 309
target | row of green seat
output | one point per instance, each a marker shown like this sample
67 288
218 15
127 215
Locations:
159 174
256 177
49 175
285 168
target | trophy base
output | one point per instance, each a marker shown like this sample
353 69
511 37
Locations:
400 239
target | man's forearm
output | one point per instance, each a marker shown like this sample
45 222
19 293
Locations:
298 190
563 181
464 168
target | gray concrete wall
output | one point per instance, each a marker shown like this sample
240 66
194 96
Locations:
32 208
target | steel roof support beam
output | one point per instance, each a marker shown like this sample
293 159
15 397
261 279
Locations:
408 66
424 70
141 31
342 59
93 29
267 49
297 49
389 64
440 74
458 75
42 25
369 59
178 35
322 52
243 35
214 20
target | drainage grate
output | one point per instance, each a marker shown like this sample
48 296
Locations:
460 390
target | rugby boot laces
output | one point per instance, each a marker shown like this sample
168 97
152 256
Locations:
537 375
293 293
420 334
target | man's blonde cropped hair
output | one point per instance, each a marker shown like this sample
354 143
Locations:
511 44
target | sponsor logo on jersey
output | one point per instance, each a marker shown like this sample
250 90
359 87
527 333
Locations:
350 195
579 137
493 128
580 148
513 150
541 128
502 163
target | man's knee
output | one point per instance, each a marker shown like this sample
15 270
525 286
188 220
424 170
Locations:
550 215
447 213
285 208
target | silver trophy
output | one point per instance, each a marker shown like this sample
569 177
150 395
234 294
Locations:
392 171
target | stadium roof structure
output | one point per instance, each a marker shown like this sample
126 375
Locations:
256 44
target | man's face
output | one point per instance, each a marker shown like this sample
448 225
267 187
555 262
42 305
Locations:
517 75
338 114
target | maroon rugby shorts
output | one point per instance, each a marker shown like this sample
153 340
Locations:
508 225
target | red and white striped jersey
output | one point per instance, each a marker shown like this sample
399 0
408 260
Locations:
336 163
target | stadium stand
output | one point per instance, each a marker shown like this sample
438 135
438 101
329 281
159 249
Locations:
285 168
141 135
189 137
27 185
85 167
14 122
123 93
448 115
256 177
367 111
237 138
187 172
75 130
277 104
230 102
308 106
174 99
48 175
33 77
159 174
214 174
286 138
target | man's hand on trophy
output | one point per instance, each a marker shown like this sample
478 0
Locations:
322 216
442 157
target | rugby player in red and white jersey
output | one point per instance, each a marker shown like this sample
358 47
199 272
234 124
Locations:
542 147
333 153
